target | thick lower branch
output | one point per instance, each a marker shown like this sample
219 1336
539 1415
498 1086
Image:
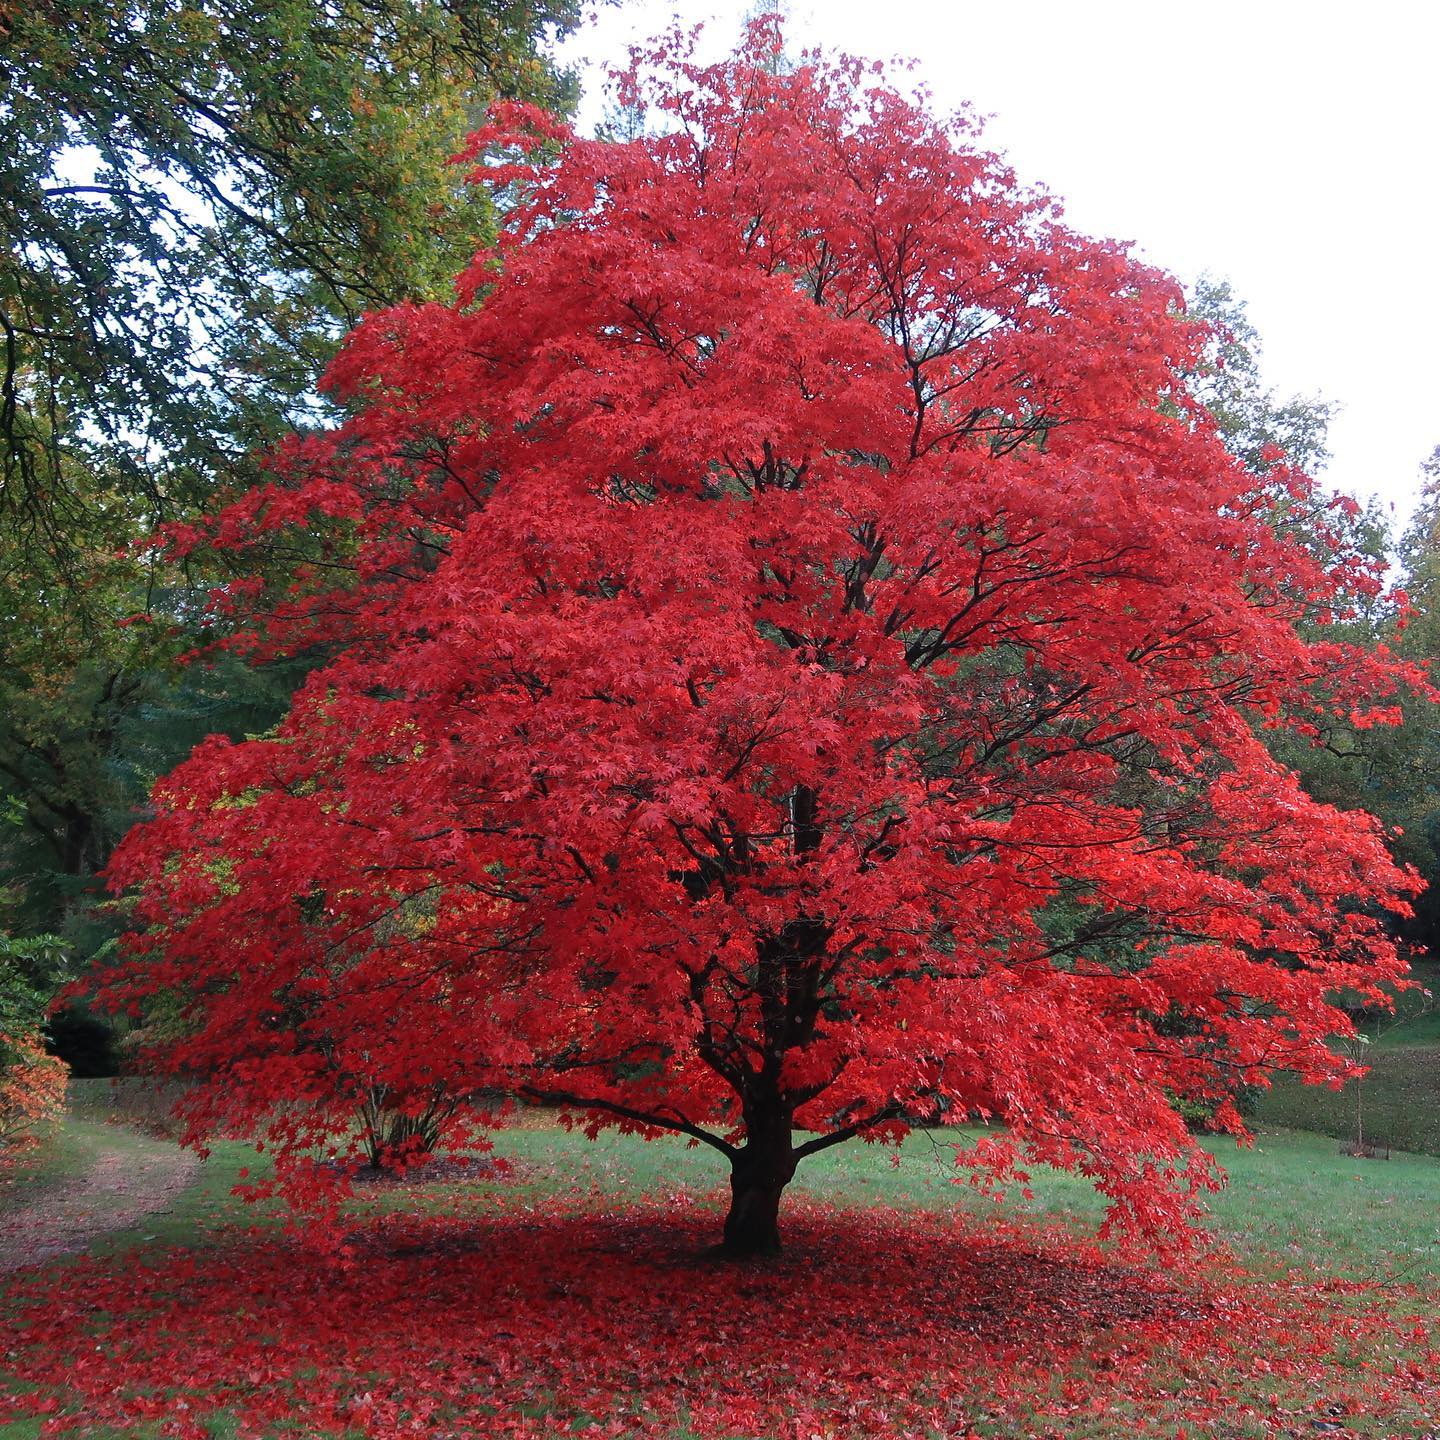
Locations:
626 1112
846 1132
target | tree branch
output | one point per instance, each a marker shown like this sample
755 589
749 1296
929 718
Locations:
625 1112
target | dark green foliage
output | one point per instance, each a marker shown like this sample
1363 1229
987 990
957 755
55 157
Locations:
29 971
81 763
1394 773
89 1046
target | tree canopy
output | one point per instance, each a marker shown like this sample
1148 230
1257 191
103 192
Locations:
799 659
200 199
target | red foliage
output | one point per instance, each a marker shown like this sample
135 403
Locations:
530 1322
796 664
32 1093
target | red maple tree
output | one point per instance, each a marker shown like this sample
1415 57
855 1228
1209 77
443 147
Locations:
794 660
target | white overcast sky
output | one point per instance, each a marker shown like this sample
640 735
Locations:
1289 147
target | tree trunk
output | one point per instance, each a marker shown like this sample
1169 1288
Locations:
758 1177
760 1172
752 1228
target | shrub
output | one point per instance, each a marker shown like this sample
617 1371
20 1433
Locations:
32 1092
398 1133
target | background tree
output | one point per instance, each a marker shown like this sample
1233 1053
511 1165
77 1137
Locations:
1392 771
790 575
1404 771
32 1084
197 202
1254 421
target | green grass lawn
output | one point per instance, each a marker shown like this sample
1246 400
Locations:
1292 1198
1400 1098
1291 1195
64 1154
1293 1203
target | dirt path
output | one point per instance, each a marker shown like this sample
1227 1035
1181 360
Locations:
133 1176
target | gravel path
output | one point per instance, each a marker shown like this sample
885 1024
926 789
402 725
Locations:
120 1188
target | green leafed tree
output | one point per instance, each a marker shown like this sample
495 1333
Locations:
1393 772
1254 420
198 200
1407 769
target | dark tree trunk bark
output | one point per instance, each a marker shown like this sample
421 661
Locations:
752 1228
758 1176
787 986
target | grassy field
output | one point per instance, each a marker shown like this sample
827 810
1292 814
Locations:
1290 1195
1313 1227
1400 1100
64 1156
